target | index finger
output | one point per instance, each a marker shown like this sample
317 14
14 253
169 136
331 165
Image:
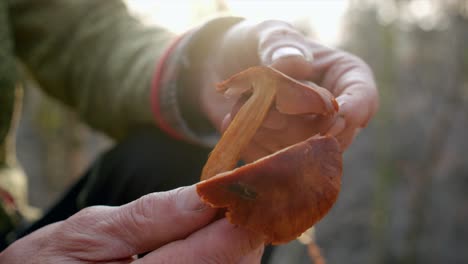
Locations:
137 227
159 218
220 242
350 80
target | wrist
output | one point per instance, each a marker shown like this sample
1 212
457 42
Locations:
177 85
234 51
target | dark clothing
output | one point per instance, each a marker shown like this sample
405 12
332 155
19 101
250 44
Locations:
147 161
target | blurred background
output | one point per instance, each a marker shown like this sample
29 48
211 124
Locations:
404 197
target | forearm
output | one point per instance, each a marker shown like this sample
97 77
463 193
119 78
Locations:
93 56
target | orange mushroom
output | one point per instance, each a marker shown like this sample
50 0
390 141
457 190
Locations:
285 193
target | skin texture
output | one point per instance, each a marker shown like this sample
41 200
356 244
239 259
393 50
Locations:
174 227
277 44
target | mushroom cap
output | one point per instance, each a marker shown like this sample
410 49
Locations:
283 194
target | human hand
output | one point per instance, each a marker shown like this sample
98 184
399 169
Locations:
279 45
173 227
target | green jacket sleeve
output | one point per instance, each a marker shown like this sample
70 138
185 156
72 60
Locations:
93 56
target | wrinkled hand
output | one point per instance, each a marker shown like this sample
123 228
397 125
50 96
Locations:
279 45
174 227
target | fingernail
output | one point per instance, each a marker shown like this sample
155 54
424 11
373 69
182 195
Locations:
341 101
225 123
188 199
284 52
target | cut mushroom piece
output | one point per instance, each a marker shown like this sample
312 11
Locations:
281 195
266 85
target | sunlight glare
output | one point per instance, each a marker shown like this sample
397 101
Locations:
324 17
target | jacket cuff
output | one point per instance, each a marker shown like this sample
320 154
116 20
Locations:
176 113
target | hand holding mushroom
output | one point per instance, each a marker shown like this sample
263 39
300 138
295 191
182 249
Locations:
280 46
275 123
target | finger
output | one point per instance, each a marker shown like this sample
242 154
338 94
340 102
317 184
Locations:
220 242
295 66
123 261
326 61
346 137
358 103
288 51
350 80
137 227
254 257
234 110
158 218
277 40
338 126
304 98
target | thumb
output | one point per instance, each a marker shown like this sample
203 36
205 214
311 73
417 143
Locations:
285 49
138 227
220 242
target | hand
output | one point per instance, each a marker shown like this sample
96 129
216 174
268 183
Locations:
174 227
279 45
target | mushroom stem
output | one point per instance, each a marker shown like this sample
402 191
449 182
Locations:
243 127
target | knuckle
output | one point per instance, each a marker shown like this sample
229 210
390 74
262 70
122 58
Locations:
81 229
132 221
87 215
357 61
251 244
142 211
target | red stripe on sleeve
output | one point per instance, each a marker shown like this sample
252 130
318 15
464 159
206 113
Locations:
155 89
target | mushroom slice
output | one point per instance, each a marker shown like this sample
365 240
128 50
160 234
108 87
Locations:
283 194
267 85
